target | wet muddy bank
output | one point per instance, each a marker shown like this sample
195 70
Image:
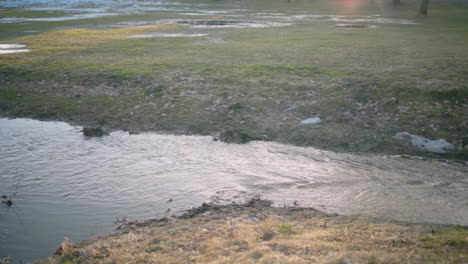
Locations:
256 232
178 108
222 124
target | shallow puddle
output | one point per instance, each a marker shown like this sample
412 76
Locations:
354 26
118 6
231 24
379 20
12 48
14 51
211 40
334 18
53 19
174 35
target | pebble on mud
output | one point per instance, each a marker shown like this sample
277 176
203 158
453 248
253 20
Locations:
311 121
291 108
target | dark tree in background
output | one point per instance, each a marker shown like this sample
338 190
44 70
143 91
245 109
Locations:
423 8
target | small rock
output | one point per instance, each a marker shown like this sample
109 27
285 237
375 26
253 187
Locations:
291 108
311 121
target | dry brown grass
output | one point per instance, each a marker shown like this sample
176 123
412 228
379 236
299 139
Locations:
256 235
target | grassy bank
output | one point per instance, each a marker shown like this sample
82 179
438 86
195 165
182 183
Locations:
366 84
258 233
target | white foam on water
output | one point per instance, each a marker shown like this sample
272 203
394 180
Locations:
174 35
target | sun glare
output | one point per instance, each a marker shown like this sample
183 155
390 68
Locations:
347 5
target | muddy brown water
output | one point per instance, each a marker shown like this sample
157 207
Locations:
68 185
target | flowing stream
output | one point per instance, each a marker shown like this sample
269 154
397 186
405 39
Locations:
67 185
63 184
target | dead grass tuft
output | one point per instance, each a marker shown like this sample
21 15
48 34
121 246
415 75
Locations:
272 235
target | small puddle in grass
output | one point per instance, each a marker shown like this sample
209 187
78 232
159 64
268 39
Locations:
55 19
174 35
12 48
231 24
372 19
354 26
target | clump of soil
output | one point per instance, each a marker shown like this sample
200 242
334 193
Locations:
235 136
93 132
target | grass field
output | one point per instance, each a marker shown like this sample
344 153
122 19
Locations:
366 84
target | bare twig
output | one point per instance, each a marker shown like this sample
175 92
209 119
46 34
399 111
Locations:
8 201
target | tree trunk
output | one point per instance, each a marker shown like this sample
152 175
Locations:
423 8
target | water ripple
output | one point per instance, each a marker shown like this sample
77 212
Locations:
71 185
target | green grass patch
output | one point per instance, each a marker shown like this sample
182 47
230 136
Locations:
453 237
289 70
285 228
